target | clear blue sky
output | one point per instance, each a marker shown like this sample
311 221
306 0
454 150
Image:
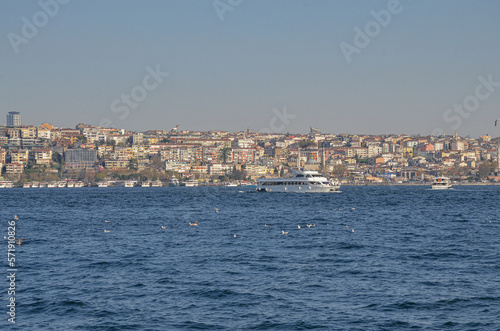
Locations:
230 74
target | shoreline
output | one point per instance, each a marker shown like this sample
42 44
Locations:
419 184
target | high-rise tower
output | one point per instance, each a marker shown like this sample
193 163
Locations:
13 118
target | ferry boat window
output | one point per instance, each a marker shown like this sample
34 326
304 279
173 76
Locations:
300 176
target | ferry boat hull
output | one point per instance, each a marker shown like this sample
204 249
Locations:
296 189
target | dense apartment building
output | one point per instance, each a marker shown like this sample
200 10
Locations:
80 158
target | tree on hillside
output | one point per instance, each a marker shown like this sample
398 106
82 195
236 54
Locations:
485 169
224 154
339 170
307 143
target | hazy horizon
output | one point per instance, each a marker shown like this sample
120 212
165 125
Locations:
427 67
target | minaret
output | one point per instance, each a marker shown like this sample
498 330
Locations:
323 161
298 158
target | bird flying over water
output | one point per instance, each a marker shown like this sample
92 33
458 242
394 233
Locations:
496 121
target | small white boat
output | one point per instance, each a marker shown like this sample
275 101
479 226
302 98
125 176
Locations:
441 183
146 184
26 185
191 182
43 184
52 184
305 181
156 183
35 184
71 184
129 183
61 184
79 184
102 184
174 182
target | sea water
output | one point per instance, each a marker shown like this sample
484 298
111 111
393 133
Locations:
372 258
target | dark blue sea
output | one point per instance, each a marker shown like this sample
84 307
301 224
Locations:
378 258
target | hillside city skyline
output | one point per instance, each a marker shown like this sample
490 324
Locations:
283 131
92 154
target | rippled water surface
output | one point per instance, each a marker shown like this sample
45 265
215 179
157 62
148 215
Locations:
378 258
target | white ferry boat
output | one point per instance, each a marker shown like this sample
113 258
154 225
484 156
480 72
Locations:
6 184
441 183
191 182
156 183
129 183
302 181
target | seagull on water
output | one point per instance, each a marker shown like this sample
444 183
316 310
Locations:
193 224
19 241
163 227
234 235
217 210
266 225
298 226
106 231
283 232
15 217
